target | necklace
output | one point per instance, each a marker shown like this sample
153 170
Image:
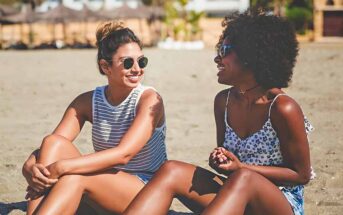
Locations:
247 90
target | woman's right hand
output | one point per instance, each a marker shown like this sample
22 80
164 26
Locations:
214 162
38 178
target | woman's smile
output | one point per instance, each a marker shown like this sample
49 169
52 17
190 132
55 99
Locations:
134 78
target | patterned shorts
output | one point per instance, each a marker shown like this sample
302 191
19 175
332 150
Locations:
295 197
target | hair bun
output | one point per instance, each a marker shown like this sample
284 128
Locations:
105 28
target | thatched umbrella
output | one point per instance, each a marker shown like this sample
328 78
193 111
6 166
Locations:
126 12
6 10
155 23
60 14
157 12
86 15
26 16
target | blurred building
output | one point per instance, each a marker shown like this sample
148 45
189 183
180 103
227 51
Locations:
328 20
211 7
218 7
92 4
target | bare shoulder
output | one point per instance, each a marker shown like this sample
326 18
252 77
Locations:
83 105
150 96
220 99
286 107
152 100
84 99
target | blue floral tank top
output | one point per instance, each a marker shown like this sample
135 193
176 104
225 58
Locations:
263 148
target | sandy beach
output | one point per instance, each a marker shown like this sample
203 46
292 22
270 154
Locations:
37 86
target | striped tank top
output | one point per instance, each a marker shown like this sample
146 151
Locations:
110 123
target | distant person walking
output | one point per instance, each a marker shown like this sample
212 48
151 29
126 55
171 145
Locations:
128 133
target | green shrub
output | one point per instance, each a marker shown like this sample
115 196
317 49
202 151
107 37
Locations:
300 17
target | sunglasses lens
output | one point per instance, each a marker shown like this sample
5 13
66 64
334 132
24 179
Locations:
143 62
224 50
128 63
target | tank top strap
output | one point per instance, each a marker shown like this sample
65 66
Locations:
226 106
270 107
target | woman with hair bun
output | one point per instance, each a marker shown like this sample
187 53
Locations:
128 134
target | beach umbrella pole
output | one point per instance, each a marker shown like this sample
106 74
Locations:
31 34
0 36
85 30
53 30
64 32
21 30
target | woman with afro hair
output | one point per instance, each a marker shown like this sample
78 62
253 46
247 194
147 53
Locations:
262 140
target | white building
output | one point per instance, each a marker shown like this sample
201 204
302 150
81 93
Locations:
92 4
218 7
211 7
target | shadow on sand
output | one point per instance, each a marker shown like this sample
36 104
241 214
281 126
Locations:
6 208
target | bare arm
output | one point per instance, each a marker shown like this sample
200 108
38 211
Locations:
288 122
74 118
219 115
149 113
77 113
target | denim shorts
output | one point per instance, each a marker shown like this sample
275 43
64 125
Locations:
143 177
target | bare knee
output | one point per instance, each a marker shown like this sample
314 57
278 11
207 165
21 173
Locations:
169 173
55 147
172 168
52 140
72 181
241 177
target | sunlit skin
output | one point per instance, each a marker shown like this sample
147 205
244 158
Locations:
117 74
249 189
61 167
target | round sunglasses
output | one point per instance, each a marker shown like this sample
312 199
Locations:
129 61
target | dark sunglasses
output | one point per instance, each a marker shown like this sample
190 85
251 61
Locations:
224 50
128 62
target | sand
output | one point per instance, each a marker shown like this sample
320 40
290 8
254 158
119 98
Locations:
36 87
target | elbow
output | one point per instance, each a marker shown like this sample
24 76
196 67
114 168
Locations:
305 178
124 159
23 169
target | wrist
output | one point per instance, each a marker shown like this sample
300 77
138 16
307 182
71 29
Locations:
62 167
241 165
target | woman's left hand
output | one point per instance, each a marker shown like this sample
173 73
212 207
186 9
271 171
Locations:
55 169
227 160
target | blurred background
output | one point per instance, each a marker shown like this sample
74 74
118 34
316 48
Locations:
171 24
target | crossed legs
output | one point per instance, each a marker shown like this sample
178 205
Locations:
194 186
111 190
244 192
53 148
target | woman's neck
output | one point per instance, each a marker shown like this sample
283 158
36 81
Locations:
250 94
116 95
